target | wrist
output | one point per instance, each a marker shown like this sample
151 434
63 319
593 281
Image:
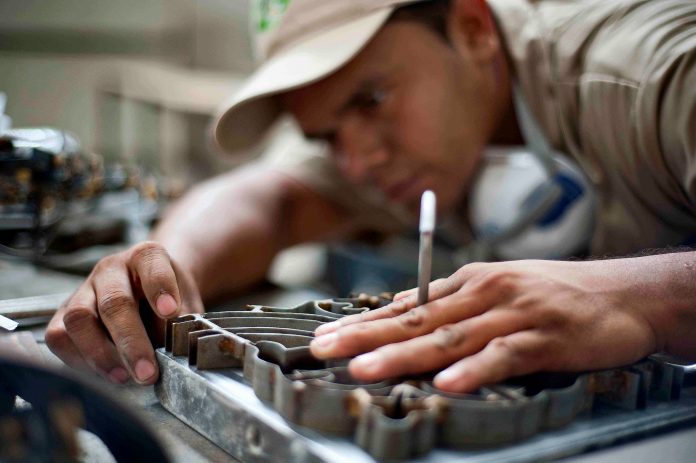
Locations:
665 293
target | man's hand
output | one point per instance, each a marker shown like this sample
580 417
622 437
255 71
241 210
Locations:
488 322
99 327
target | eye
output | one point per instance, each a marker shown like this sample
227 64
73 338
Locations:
331 140
369 100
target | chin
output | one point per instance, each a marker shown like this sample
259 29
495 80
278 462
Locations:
413 207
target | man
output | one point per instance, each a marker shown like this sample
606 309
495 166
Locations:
407 96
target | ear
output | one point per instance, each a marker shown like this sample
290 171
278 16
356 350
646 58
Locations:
472 31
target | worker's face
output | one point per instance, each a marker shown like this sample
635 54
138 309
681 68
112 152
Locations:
410 112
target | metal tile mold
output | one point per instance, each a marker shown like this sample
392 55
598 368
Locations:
246 380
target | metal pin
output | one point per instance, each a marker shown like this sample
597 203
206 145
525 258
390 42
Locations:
425 255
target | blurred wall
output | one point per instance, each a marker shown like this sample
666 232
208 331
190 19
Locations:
136 80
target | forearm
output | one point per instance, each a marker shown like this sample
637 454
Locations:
227 231
218 229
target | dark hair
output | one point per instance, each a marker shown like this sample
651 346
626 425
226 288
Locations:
430 13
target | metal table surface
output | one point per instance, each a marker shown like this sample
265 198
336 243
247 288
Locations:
186 445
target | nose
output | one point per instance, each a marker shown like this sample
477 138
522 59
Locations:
360 149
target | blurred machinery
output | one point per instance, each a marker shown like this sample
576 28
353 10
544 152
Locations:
41 171
42 409
53 195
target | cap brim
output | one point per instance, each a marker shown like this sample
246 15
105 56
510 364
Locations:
250 112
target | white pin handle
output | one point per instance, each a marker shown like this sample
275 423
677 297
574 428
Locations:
425 255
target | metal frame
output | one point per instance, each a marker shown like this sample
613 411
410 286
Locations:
390 420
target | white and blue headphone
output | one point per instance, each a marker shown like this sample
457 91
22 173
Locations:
531 201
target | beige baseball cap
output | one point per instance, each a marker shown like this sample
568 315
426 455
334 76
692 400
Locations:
313 39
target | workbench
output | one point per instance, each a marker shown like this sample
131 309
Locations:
186 445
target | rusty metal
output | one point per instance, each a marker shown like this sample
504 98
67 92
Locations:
218 354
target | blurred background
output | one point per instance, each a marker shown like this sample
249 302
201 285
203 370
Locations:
132 79
138 83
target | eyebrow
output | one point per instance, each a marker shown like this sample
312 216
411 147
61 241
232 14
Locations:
363 87
358 92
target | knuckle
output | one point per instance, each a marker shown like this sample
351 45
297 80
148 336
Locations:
550 316
521 355
526 301
398 308
129 342
158 275
449 336
443 285
413 318
471 269
105 263
502 282
556 318
115 303
76 318
402 294
56 338
147 251
504 345
407 299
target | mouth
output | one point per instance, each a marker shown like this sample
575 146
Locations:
404 191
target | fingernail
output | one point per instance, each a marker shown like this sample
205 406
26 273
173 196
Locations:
367 363
166 304
445 378
119 375
325 342
144 370
326 328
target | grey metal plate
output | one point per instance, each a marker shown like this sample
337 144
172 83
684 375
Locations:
224 408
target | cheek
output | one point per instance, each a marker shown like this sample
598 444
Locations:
433 135
436 135
417 130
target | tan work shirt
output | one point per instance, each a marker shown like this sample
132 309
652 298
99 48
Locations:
613 85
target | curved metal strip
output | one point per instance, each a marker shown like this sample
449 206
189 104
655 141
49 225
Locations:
396 420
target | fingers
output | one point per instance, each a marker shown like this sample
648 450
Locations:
362 337
504 357
191 302
150 262
403 294
87 334
58 340
438 349
403 302
100 326
118 310
75 335
437 289
389 310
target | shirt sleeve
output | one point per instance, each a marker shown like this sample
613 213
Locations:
677 119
